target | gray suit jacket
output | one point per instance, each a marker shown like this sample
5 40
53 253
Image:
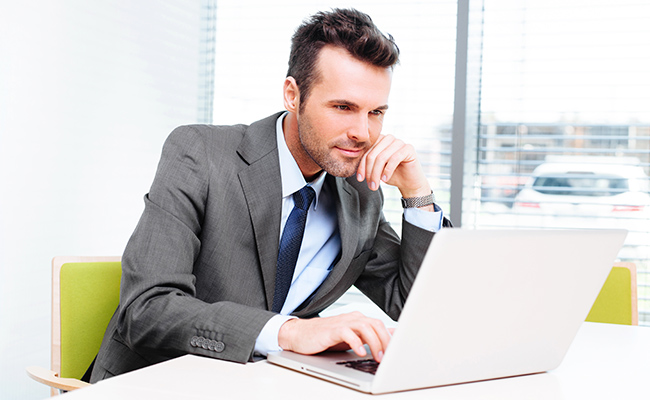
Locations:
199 271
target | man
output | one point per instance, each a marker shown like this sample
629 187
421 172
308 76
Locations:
205 270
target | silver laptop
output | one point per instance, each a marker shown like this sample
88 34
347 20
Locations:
486 304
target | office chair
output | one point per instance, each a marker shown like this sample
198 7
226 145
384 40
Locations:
85 294
617 301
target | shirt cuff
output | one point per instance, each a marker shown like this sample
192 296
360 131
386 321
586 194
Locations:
267 340
431 221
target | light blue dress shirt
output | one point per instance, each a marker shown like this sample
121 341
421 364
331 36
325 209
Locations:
321 243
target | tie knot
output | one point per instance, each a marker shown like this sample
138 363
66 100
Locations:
304 197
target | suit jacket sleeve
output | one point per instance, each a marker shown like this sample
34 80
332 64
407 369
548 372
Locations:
160 315
393 264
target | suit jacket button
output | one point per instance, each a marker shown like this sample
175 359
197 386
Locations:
194 341
219 346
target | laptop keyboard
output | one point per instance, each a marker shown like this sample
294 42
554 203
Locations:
368 365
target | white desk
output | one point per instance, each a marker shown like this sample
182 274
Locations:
604 362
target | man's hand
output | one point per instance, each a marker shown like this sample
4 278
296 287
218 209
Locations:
394 162
352 330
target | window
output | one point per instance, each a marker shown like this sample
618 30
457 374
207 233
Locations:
563 138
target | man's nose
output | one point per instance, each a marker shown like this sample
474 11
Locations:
359 130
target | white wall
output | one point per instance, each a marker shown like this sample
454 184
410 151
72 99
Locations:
88 93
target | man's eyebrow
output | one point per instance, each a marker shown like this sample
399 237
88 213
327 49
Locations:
341 102
352 104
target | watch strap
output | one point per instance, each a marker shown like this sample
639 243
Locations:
415 202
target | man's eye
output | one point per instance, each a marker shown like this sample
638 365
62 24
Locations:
376 112
343 107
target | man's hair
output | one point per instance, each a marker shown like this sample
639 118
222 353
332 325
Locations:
349 29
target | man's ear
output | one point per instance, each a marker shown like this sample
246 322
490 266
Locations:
291 95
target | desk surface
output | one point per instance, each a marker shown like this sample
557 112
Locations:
604 362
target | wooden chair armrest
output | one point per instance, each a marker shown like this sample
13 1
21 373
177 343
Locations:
50 378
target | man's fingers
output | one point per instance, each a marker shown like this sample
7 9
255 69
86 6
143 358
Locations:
368 331
347 330
352 339
383 159
369 335
377 337
361 170
373 161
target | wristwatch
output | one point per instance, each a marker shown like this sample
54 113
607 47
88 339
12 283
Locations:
414 202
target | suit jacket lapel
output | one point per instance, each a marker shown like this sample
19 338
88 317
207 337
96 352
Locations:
263 191
347 209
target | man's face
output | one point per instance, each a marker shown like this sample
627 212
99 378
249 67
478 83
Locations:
343 115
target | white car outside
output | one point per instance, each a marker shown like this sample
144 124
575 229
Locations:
599 187
591 193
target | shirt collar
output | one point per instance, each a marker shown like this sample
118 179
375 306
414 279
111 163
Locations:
292 179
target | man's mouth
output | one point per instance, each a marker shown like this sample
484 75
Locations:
353 152
351 149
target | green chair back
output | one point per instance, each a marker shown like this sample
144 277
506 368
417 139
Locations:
616 303
89 294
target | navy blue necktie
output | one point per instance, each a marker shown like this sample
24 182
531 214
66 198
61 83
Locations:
290 243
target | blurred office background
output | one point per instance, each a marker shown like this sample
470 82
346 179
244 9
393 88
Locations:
90 90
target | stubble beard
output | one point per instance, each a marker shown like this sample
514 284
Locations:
321 154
